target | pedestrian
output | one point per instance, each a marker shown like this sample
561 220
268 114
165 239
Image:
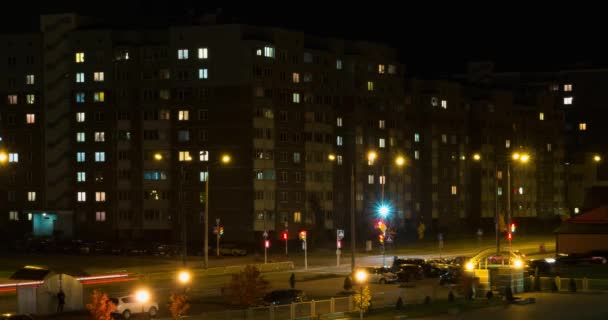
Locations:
60 300
292 281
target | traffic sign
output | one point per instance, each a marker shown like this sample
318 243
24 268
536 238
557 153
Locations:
265 234
340 233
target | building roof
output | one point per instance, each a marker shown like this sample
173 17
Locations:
41 273
594 221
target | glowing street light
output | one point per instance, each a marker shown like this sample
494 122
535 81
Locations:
596 158
470 266
3 157
331 157
361 277
518 263
184 277
142 296
371 156
400 161
226 158
158 157
476 157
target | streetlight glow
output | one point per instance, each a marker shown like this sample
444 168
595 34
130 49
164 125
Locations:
596 158
361 276
142 296
518 264
3 157
371 156
226 158
331 157
476 157
184 277
400 161
516 156
524 158
158 156
469 266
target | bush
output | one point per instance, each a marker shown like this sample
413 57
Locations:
247 288
348 284
399 304
178 305
490 295
362 299
101 306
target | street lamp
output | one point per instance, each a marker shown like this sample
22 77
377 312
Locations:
3 157
224 159
361 277
184 277
596 158
142 296
522 158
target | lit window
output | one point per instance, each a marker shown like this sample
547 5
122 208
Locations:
203 176
100 156
29 217
295 77
31 196
576 210
165 115
548 147
444 104
382 179
203 73
444 138
98 76
568 100
338 64
100 136
381 69
100 196
382 143
100 216
81 176
13 157
541 116
29 79
13 215
582 126
416 154
454 190
81 196
183 115
80 77
339 160
567 87
80 137
269 52
203 155
80 117
392 69
499 191
258 52
370 179
99 96
359 139
416 137
12 99
507 144
370 86
381 124
79 97
185 156
297 216
296 157
79 57
521 190
338 122
296 97
499 175
203 53
339 140
30 118
182 54
30 98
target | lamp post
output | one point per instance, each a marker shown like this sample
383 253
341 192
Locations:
224 159
361 277
521 158
477 158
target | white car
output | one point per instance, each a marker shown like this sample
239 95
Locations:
128 306
379 275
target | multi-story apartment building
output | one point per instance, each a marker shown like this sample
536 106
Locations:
117 131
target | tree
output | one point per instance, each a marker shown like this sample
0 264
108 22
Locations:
247 288
101 306
178 305
348 284
363 299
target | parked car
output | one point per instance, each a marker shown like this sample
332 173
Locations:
544 266
407 272
128 306
593 257
379 275
284 296
229 249
452 276
12 316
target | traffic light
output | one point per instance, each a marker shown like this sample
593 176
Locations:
381 238
266 243
285 235
380 225
221 231
303 235
509 236
339 244
512 227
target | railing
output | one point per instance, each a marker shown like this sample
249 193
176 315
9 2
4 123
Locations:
565 284
314 309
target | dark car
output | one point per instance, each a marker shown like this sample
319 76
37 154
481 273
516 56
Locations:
407 272
452 276
593 257
544 267
284 296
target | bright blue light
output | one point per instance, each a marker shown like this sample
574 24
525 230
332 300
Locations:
384 210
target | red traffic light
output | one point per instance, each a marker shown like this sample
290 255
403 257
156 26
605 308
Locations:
339 244
267 243
509 235
381 238
285 236
303 235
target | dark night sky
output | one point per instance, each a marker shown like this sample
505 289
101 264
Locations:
433 38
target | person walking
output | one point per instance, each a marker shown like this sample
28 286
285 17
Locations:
292 281
60 300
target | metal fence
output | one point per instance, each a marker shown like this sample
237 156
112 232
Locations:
301 310
565 284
